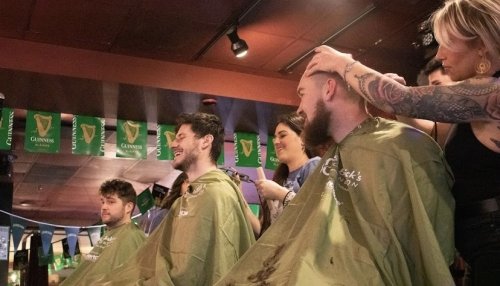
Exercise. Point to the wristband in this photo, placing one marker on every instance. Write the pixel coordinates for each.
(347, 69)
(287, 199)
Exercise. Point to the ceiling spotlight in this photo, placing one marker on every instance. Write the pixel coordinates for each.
(238, 46)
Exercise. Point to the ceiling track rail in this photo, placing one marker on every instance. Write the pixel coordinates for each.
(288, 68)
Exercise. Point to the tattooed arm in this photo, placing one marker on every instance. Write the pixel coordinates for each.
(470, 100)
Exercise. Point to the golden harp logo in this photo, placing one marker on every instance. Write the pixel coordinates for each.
(131, 130)
(170, 137)
(43, 124)
(88, 132)
(247, 146)
(1, 122)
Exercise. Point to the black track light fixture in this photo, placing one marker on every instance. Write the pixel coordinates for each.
(238, 46)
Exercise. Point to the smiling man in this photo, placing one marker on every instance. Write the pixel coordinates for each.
(122, 237)
(206, 230)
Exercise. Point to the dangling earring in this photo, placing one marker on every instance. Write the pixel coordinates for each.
(483, 66)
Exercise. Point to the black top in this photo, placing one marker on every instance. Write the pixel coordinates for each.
(476, 168)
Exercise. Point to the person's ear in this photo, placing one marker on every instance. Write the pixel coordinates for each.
(329, 89)
(207, 141)
(129, 207)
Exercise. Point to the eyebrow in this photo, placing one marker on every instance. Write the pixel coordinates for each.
(282, 132)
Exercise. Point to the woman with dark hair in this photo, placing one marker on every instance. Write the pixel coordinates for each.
(295, 165)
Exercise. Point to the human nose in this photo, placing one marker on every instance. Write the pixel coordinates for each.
(440, 55)
(300, 110)
(174, 143)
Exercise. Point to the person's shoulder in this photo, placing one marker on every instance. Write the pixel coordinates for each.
(313, 162)
(400, 131)
(400, 136)
(136, 230)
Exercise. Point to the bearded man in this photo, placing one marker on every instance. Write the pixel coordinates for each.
(377, 211)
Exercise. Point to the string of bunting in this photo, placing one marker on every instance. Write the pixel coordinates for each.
(43, 135)
(47, 231)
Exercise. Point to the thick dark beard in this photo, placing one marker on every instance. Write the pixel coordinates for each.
(316, 130)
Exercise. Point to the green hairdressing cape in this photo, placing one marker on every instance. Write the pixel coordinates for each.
(376, 211)
(200, 239)
(114, 248)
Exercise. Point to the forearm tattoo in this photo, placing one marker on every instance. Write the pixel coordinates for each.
(462, 102)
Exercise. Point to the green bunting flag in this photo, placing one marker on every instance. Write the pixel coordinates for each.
(247, 149)
(145, 201)
(131, 139)
(43, 132)
(272, 161)
(6, 123)
(88, 135)
(165, 134)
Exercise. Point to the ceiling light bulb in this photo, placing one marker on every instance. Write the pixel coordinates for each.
(238, 46)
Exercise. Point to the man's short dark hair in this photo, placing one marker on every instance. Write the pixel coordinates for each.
(432, 66)
(124, 190)
(204, 124)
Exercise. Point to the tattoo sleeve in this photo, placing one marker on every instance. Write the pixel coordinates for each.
(469, 100)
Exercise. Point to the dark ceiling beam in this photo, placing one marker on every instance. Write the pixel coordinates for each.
(59, 60)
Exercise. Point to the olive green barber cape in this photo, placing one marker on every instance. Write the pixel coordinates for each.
(200, 239)
(376, 211)
(114, 248)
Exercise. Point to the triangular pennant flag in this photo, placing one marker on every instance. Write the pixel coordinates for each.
(65, 247)
(72, 238)
(46, 232)
(145, 201)
(94, 234)
(18, 226)
(247, 149)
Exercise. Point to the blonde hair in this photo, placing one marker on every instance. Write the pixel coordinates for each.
(468, 20)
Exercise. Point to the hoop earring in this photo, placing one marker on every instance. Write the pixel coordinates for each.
(483, 66)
